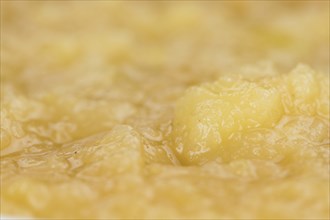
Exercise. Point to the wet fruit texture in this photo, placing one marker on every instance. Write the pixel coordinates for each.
(217, 119)
(164, 109)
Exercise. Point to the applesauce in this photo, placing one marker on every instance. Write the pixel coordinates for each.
(165, 110)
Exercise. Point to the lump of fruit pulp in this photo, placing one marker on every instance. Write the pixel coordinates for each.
(215, 119)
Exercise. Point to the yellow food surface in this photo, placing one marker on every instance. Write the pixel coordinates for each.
(217, 119)
(165, 110)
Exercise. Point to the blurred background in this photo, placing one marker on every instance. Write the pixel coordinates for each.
(197, 38)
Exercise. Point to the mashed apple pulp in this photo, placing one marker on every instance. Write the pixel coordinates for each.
(232, 117)
(157, 115)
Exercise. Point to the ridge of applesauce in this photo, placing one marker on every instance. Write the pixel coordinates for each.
(237, 118)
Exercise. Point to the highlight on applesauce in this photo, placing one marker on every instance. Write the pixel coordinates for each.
(165, 110)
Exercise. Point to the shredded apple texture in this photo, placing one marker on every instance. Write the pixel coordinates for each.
(165, 110)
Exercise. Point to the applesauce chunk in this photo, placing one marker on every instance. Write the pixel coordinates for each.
(237, 118)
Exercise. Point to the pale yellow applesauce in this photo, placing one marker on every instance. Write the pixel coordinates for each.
(165, 110)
